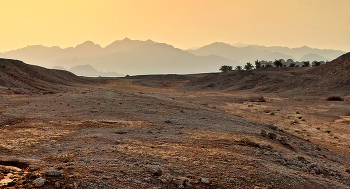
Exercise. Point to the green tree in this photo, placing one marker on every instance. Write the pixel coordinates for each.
(257, 64)
(292, 65)
(316, 63)
(306, 63)
(225, 68)
(248, 66)
(238, 68)
(278, 63)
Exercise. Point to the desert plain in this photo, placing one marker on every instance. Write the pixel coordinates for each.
(264, 128)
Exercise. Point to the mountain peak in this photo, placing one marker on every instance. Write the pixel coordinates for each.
(87, 44)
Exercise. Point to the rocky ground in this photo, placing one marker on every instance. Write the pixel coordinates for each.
(156, 132)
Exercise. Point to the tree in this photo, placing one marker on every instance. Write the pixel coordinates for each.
(316, 63)
(257, 64)
(248, 66)
(278, 63)
(292, 65)
(238, 68)
(306, 63)
(225, 68)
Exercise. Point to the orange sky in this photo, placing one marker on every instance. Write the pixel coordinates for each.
(182, 23)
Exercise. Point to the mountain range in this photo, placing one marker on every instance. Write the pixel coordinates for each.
(135, 57)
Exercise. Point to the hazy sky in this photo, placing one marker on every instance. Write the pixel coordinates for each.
(182, 23)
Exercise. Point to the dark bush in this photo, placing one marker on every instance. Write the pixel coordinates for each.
(335, 98)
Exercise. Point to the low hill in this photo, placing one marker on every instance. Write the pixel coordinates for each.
(20, 77)
(312, 56)
(331, 78)
(87, 70)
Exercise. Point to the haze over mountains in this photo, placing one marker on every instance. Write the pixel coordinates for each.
(135, 57)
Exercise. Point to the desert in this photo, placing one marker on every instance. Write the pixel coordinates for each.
(262, 128)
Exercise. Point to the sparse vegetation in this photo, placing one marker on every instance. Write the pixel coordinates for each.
(267, 111)
(318, 128)
(300, 117)
(306, 63)
(272, 113)
(297, 131)
(278, 110)
(257, 64)
(303, 120)
(278, 63)
(248, 66)
(316, 63)
(225, 68)
(268, 66)
(297, 112)
(238, 68)
(327, 131)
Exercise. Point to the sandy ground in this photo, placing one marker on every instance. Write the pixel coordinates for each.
(134, 133)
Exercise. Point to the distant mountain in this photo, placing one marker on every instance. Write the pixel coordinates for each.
(87, 70)
(312, 56)
(250, 53)
(298, 53)
(148, 57)
(154, 58)
(122, 56)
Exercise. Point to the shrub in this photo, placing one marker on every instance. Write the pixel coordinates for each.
(306, 64)
(297, 112)
(272, 113)
(300, 117)
(316, 63)
(257, 64)
(267, 111)
(318, 128)
(335, 98)
(297, 131)
(268, 66)
(278, 63)
(248, 66)
(327, 131)
(225, 68)
(238, 68)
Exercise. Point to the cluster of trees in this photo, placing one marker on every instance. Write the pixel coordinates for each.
(258, 65)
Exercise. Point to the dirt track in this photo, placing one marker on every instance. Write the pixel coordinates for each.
(137, 133)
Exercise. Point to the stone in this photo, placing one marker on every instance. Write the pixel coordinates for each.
(205, 180)
(57, 184)
(39, 182)
(54, 173)
(155, 170)
(180, 186)
(283, 140)
(272, 136)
